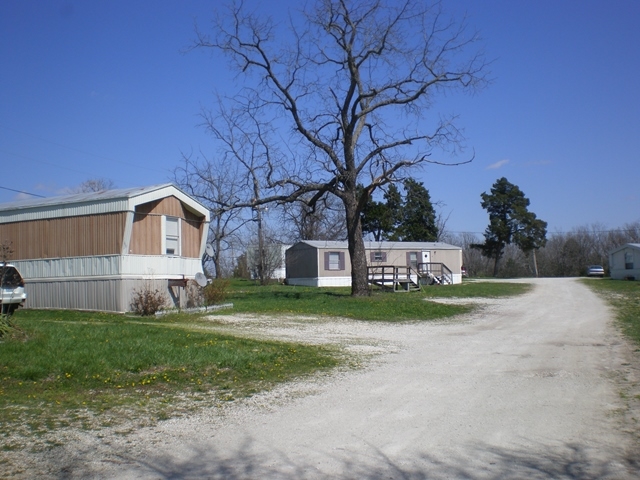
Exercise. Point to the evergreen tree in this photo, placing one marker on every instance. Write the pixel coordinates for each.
(509, 222)
(418, 223)
(381, 219)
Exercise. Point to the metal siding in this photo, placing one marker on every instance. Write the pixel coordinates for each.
(74, 294)
(95, 203)
(61, 210)
(160, 265)
(66, 237)
(190, 238)
(146, 238)
(108, 265)
(301, 261)
(325, 272)
(146, 235)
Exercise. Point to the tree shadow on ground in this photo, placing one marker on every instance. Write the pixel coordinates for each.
(569, 461)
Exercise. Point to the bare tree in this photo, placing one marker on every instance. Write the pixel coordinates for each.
(95, 185)
(350, 88)
(216, 185)
(324, 221)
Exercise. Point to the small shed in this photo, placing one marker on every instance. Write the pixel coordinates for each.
(93, 250)
(624, 262)
(327, 263)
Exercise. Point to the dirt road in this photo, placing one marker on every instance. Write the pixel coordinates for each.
(525, 388)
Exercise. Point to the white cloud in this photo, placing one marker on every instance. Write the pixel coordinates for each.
(498, 164)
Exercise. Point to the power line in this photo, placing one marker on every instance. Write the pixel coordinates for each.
(20, 191)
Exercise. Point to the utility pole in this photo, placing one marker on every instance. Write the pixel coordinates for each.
(261, 268)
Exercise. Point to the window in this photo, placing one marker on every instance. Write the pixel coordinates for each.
(172, 236)
(628, 261)
(378, 256)
(334, 260)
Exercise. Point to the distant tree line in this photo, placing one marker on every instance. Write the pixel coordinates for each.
(565, 254)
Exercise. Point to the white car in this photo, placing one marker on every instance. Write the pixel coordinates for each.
(595, 271)
(12, 294)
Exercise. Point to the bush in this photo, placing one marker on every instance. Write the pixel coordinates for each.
(147, 301)
(216, 291)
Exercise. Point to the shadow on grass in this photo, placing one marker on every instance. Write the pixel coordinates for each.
(569, 461)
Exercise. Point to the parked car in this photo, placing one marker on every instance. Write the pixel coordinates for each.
(595, 271)
(12, 294)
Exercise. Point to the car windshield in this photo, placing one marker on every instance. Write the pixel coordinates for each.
(10, 278)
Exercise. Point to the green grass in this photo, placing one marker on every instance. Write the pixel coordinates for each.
(64, 365)
(248, 297)
(624, 296)
(478, 289)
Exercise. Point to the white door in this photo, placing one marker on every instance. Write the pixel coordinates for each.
(426, 259)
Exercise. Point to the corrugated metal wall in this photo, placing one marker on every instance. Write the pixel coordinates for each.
(65, 237)
(109, 295)
(109, 265)
(103, 294)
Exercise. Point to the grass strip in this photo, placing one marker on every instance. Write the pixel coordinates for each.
(624, 296)
(248, 297)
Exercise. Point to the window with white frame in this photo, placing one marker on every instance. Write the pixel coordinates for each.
(334, 261)
(378, 256)
(172, 236)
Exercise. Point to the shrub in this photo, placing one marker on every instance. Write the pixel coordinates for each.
(147, 301)
(216, 291)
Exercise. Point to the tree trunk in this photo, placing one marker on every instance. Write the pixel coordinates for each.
(357, 254)
(216, 258)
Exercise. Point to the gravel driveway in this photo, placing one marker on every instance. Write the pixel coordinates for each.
(526, 387)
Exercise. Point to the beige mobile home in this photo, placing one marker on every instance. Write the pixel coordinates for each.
(624, 262)
(327, 263)
(92, 250)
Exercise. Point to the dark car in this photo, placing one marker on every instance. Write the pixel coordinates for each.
(595, 271)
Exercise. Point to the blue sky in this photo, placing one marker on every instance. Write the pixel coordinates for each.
(104, 89)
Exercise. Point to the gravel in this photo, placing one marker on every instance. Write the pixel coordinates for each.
(535, 386)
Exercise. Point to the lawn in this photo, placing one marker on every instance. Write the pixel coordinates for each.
(58, 362)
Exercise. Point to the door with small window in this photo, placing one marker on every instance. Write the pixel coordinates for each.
(412, 260)
(426, 259)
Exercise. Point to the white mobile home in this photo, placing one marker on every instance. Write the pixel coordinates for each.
(92, 250)
(624, 262)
